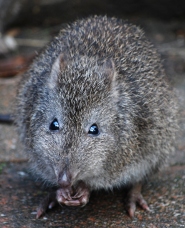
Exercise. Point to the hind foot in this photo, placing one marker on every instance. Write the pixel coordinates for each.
(134, 197)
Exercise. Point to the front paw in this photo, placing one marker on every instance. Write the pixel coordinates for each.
(79, 197)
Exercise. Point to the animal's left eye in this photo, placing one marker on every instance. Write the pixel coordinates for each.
(93, 130)
(54, 126)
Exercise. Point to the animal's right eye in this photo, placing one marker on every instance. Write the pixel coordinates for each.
(54, 126)
(93, 130)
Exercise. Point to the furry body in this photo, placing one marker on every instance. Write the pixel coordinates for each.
(98, 70)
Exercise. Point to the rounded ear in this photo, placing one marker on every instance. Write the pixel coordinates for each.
(109, 69)
(59, 65)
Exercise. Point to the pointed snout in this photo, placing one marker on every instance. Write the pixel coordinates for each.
(65, 179)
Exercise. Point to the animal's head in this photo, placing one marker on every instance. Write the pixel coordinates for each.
(74, 127)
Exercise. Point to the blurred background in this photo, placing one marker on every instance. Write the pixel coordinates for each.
(27, 26)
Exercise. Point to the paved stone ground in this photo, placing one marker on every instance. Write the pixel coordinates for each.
(165, 192)
(20, 196)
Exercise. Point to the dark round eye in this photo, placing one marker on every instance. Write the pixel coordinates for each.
(93, 130)
(54, 126)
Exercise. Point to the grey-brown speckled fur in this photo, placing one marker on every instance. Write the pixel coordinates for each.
(98, 70)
